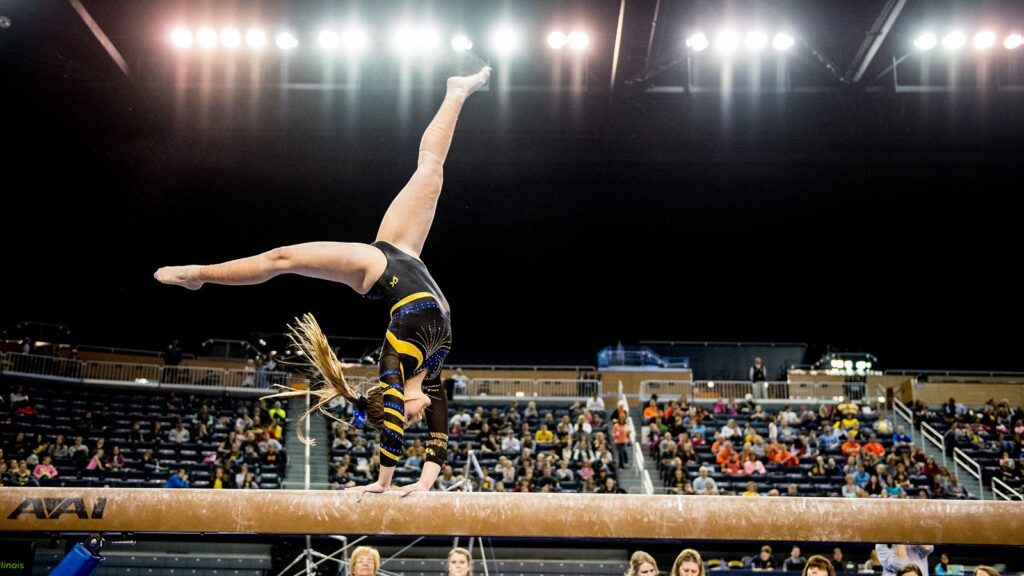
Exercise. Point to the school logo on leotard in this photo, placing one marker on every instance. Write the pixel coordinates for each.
(394, 281)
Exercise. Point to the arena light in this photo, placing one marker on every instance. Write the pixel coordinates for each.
(698, 42)
(782, 42)
(926, 41)
(286, 41)
(461, 43)
(578, 41)
(1013, 41)
(954, 41)
(727, 41)
(505, 40)
(181, 37)
(755, 41)
(255, 38)
(230, 38)
(206, 37)
(403, 40)
(984, 40)
(427, 39)
(328, 40)
(354, 39)
(557, 40)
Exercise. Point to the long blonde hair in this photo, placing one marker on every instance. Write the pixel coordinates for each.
(688, 555)
(326, 377)
(638, 559)
(457, 551)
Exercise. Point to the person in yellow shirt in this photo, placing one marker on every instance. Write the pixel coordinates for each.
(543, 434)
(277, 413)
(751, 489)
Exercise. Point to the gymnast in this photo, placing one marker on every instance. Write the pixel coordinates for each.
(418, 337)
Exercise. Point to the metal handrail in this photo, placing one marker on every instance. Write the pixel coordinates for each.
(1003, 490)
(933, 436)
(960, 458)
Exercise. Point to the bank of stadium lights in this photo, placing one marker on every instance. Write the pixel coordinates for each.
(505, 40)
(730, 41)
(328, 40)
(461, 43)
(408, 40)
(255, 38)
(354, 39)
(230, 38)
(576, 40)
(286, 41)
(181, 37)
(955, 41)
(206, 38)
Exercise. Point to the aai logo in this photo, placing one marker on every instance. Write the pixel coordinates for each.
(54, 508)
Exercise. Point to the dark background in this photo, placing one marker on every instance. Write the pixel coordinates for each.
(852, 218)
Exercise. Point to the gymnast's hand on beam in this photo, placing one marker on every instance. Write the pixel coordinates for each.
(414, 487)
(373, 488)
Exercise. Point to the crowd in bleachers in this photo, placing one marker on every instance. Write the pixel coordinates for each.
(845, 450)
(884, 559)
(531, 448)
(59, 436)
(992, 435)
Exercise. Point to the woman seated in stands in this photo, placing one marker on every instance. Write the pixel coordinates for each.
(115, 460)
(753, 466)
(98, 461)
(874, 487)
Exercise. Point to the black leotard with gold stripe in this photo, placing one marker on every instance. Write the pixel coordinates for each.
(418, 339)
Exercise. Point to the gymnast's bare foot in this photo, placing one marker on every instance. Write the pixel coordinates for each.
(463, 86)
(187, 276)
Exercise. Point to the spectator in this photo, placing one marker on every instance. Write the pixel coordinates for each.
(874, 488)
(544, 435)
(220, 480)
(460, 563)
(874, 447)
(704, 484)
(795, 562)
(249, 482)
(753, 466)
(757, 371)
(850, 489)
(365, 561)
(651, 411)
(838, 565)
(115, 460)
(688, 563)
(829, 438)
(982, 570)
(893, 557)
(173, 353)
(45, 469)
(595, 403)
(821, 566)
(944, 568)
(764, 560)
(892, 489)
(851, 447)
(752, 491)
(620, 434)
(179, 480)
(97, 461)
(642, 564)
(21, 476)
(610, 487)
(179, 434)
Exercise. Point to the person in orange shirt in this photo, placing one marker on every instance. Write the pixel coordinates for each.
(620, 435)
(875, 447)
(851, 447)
(726, 454)
(651, 411)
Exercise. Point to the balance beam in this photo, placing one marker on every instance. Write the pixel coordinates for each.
(611, 516)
